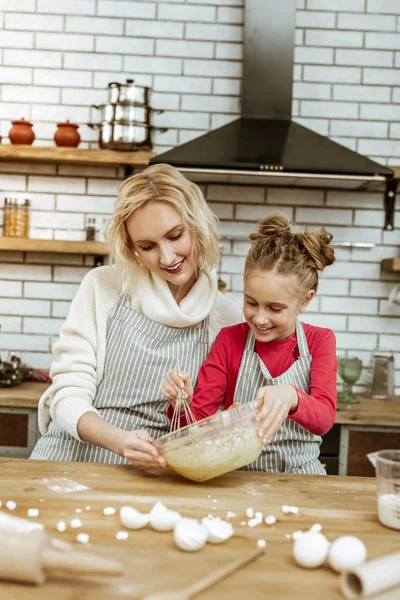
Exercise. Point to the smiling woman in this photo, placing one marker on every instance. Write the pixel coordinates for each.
(156, 305)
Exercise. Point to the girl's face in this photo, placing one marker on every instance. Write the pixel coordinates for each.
(271, 304)
(163, 243)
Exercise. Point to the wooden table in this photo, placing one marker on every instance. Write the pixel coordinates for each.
(343, 505)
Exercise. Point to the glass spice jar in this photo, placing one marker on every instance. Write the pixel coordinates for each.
(16, 218)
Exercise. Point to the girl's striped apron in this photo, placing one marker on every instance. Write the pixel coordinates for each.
(293, 449)
(139, 354)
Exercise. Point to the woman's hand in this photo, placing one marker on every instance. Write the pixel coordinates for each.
(275, 402)
(175, 382)
(138, 447)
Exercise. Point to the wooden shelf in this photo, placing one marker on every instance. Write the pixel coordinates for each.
(391, 264)
(60, 246)
(77, 156)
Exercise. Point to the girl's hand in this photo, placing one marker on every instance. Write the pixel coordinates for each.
(138, 447)
(275, 402)
(175, 382)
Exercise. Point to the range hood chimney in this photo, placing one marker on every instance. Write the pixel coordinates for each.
(264, 146)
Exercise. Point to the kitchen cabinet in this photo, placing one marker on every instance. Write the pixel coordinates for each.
(373, 424)
(19, 429)
(342, 505)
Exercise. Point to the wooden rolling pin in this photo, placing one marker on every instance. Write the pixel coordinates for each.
(32, 558)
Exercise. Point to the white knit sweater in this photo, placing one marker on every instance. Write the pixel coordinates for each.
(80, 350)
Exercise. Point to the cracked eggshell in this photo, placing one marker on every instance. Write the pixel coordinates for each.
(346, 553)
(132, 518)
(190, 535)
(310, 549)
(163, 519)
(218, 530)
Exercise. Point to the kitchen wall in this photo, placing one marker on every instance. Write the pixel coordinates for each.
(56, 59)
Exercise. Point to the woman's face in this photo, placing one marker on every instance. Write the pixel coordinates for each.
(271, 304)
(163, 243)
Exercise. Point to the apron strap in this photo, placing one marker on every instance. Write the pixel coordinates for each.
(301, 340)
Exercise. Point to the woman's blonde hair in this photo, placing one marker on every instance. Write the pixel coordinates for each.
(161, 183)
(277, 248)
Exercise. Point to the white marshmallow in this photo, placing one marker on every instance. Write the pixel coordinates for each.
(317, 527)
(109, 510)
(61, 526)
(82, 538)
(259, 516)
(294, 510)
(261, 544)
(121, 535)
(253, 522)
(285, 509)
(270, 520)
(78, 510)
(75, 523)
(249, 513)
(33, 512)
(11, 505)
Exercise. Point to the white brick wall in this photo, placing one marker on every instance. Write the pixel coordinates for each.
(56, 59)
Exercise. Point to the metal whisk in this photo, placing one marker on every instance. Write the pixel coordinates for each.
(181, 401)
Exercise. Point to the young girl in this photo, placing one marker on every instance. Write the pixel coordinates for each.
(290, 367)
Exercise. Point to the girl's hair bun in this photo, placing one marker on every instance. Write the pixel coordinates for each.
(272, 227)
(317, 246)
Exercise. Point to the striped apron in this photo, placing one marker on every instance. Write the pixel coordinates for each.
(293, 449)
(139, 354)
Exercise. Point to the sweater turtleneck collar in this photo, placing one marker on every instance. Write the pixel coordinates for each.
(154, 299)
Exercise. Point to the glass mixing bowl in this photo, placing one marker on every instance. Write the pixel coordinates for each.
(213, 446)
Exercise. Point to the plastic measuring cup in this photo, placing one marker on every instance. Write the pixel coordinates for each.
(387, 468)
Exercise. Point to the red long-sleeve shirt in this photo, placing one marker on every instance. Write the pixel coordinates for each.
(218, 375)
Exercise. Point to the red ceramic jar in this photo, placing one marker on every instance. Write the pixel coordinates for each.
(21, 132)
(67, 134)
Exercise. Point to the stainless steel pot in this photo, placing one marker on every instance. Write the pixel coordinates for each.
(124, 135)
(128, 92)
(125, 112)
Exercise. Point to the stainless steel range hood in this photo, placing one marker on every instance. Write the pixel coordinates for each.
(265, 146)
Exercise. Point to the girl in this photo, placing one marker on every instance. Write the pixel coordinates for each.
(128, 322)
(289, 367)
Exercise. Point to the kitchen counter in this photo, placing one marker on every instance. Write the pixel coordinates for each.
(343, 505)
(370, 411)
(26, 395)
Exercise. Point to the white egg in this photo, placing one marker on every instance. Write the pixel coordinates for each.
(310, 549)
(218, 530)
(190, 535)
(132, 518)
(163, 519)
(346, 552)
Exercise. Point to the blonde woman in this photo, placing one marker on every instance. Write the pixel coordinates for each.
(156, 307)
